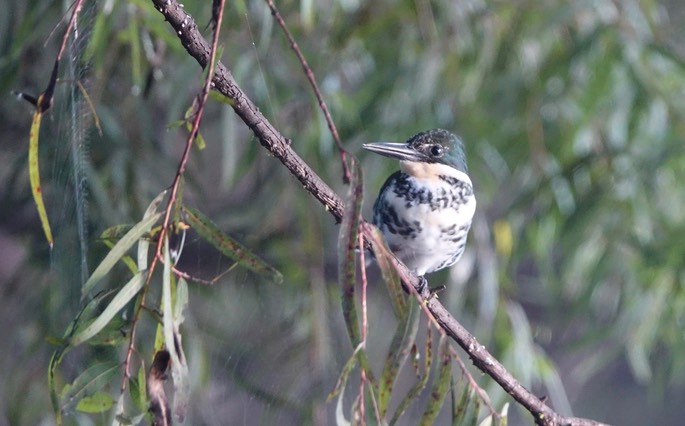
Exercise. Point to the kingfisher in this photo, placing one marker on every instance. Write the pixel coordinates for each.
(425, 209)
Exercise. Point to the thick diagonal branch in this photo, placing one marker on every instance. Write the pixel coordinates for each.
(184, 25)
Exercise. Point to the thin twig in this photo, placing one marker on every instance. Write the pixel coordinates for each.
(78, 4)
(190, 23)
(312, 81)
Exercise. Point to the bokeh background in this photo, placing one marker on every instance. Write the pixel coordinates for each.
(572, 114)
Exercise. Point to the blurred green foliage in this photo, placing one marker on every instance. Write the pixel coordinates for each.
(572, 113)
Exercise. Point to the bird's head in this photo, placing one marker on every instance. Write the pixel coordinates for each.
(436, 146)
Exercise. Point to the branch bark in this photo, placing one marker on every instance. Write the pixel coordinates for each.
(185, 27)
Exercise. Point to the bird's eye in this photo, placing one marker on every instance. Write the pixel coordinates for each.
(437, 150)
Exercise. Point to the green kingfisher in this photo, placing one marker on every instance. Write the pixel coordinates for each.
(425, 210)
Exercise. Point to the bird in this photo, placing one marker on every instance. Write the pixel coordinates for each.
(425, 209)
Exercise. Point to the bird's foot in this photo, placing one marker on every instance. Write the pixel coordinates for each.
(437, 289)
(433, 292)
(423, 283)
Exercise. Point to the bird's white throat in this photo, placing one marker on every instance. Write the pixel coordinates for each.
(432, 171)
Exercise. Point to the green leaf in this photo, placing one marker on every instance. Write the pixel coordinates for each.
(467, 408)
(441, 384)
(114, 233)
(138, 386)
(400, 348)
(496, 419)
(415, 391)
(188, 120)
(200, 141)
(503, 415)
(56, 358)
(96, 403)
(34, 173)
(55, 361)
(111, 334)
(228, 246)
(119, 250)
(347, 245)
(89, 382)
(173, 342)
(347, 256)
(181, 301)
(382, 253)
(135, 51)
(119, 301)
(344, 374)
(221, 98)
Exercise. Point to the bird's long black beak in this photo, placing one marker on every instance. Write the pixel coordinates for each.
(399, 151)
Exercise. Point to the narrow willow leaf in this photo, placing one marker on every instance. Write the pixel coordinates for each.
(460, 406)
(475, 408)
(228, 246)
(112, 234)
(111, 334)
(221, 98)
(176, 123)
(181, 301)
(340, 419)
(200, 141)
(189, 118)
(91, 106)
(503, 415)
(98, 402)
(372, 390)
(486, 421)
(135, 53)
(415, 391)
(159, 338)
(441, 384)
(468, 407)
(142, 384)
(400, 348)
(96, 39)
(119, 301)
(382, 254)
(173, 343)
(123, 420)
(92, 380)
(125, 242)
(347, 244)
(119, 412)
(55, 360)
(34, 173)
(119, 250)
(144, 243)
(138, 386)
(344, 374)
(41, 104)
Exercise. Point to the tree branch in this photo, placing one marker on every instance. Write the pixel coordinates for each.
(271, 139)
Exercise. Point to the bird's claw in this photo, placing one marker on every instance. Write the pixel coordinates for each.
(423, 283)
(433, 292)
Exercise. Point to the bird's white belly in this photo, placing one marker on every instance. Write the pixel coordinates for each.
(438, 237)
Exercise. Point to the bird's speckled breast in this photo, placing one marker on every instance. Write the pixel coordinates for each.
(425, 216)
